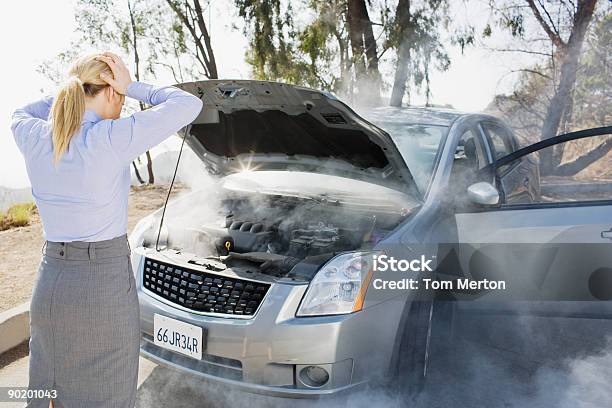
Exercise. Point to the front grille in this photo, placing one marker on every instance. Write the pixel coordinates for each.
(201, 291)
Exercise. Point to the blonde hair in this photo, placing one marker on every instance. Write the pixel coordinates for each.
(69, 105)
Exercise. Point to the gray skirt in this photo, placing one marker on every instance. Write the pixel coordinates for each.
(84, 323)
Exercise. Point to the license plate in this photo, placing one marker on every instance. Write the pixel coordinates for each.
(178, 336)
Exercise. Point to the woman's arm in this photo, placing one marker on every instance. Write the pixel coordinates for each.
(27, 122)
(172, 110)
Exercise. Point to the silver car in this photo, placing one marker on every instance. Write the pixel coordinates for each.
(265, 279)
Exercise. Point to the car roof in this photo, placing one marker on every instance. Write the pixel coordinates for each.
(411, 115)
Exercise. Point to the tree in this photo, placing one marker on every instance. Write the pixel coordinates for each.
(547, 93)
(592, 100)
(525, 109)
(568, 53)
(335, 51)
(563, 24)
(403, 31)
(325, 44)
(414, 34)
(272, 54)
(340, 49)
(191, 16)
(363, 45)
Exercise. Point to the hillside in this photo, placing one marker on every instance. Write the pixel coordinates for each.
(10, 196)
(20, 248)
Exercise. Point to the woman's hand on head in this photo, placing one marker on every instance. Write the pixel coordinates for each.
(121, 78)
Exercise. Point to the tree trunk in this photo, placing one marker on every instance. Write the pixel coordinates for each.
(402, 16)
(401, 75)
(343, 80)
(150, 168)
(138, 176)
(365, 54)
(569, 55)
(369, 42)
(574, 167)
(355, 32)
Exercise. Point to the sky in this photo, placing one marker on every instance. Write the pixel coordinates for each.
(33, 31)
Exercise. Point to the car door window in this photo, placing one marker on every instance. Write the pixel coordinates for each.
(500, 140)
(469, 159)
(569, 172)
(469, 152)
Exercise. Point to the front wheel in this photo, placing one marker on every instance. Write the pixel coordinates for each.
(414, 350)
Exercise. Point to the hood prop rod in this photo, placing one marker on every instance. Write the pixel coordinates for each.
(178, 160)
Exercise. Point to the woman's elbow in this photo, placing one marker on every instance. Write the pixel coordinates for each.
(195, 107)
(16, 120)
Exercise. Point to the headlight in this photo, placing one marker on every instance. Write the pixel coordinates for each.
(340, 286)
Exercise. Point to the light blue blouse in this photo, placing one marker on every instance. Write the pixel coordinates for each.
(84, 197)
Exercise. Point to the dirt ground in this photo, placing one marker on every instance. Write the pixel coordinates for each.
(21, 248)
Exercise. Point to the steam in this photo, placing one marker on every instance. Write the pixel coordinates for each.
(582, 383)
(525, 361)
(168, 388)
(198, 201)
(472, 374)
(489, 361)
(203, 205)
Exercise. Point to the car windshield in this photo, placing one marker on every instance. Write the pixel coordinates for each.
(418, 144)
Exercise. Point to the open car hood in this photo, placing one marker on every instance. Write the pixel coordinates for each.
(260, 125)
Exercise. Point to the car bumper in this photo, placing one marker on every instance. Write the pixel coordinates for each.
(275, 391)
(265, 354)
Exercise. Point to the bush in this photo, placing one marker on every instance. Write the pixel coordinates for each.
(18, 215)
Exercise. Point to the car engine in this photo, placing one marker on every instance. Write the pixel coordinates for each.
(274, 234)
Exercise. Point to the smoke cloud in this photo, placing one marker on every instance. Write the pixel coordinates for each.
(488, 360)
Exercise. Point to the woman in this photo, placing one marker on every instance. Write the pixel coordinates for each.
(84, 316)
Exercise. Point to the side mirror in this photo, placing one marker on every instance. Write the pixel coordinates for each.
(483, 193)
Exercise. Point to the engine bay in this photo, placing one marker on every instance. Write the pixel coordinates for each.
(274, 235)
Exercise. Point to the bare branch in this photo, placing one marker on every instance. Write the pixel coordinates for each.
(529, 109)
(550, 19)
(382, 52)
(210, 57)
(533, 71)
(580, 163)
(554, 37)
(185, 19)
(171, 68)
(519, 50)
(198, 57)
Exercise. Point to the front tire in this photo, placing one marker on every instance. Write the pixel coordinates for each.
(414, 350)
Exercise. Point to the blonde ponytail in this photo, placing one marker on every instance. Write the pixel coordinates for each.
(69, 104)
(66, 113)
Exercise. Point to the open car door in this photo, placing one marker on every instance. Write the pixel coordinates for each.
(544, 228)
(547, 235)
